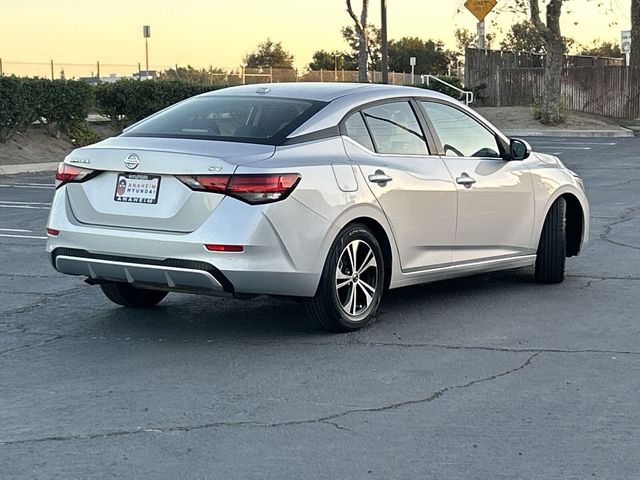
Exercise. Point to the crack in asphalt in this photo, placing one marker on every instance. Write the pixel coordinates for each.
(26, 275)
(29, 345)
(615, 184)
(601, 277)
(351, 342)
(327, 419)
(43, 299)
(626, 216)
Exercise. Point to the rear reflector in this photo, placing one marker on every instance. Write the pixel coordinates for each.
(53, 232)
(69, 173)
(223, 248)
(250, 188)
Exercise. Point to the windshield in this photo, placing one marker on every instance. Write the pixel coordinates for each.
(229, 118)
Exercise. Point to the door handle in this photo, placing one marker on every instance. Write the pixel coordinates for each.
(465, 180)
(380, 178)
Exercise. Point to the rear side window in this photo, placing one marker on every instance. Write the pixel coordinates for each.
(229, 118)
(395, 129)
(357, 131)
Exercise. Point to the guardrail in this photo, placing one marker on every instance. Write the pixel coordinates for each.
(468, 95)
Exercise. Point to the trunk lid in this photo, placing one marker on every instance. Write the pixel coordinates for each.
(102, 201)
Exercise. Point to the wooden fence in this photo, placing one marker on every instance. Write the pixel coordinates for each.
(608, 91)
(601, 86)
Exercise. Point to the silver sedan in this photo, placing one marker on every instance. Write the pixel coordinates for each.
(332, 193)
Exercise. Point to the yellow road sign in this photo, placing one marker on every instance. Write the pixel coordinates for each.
(480, 8)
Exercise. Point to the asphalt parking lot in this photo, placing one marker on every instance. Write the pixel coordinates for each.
(487, 377)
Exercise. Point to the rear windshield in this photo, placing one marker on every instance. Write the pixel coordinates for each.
(229, 118)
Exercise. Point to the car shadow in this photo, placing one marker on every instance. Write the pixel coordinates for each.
(269, 320)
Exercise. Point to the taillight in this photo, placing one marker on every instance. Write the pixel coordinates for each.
(209, 183)
(53, 232)
(250, 188)
(69, 173)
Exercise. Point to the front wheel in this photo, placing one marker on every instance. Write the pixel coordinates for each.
(552, 249)
(352, 282)
(130, 296)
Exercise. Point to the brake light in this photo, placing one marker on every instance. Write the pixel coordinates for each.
(53, 232)
(209, 183)
(250, 188)
(69, 173)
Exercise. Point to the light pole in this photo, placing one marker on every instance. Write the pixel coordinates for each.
(146, 32)
(385, 48)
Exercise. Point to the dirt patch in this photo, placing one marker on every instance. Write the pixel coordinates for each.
(521, 118)
(37, 146)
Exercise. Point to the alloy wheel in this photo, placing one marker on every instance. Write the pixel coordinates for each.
(356, 277)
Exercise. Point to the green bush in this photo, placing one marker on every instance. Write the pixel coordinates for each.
(128, 101)
(65, 104)
(61, 103)
(81, 134)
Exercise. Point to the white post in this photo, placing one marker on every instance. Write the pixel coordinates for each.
(412, 62)
(481, 36)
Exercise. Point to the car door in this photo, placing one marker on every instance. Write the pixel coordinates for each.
(495, 196)
(413, 187)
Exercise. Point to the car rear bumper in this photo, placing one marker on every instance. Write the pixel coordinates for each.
(196, 277)
(275, 260)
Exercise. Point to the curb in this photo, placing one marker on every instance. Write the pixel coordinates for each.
(619, 133)
(28, 168)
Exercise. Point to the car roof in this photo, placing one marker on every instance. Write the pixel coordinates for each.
(324, 92)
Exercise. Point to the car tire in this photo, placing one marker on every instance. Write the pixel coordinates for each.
(552, 249)
(129, 296)
(347, 298)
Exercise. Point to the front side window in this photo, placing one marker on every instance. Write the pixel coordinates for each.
(229, 118)
(461, 135)
(395, 129)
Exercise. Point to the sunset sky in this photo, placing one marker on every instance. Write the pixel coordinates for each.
(220, 33)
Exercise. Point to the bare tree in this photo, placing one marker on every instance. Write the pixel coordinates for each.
(363, 44)
(550, 111)
(634, 60)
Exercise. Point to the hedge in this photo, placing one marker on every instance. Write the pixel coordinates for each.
(128, 101)
(59, 104)
(63, 105)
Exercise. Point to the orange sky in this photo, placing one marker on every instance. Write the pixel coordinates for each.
(221, 32)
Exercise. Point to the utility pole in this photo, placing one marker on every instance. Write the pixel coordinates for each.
(146, 31)
(385, 46)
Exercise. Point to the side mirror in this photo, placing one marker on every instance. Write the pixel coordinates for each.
(519, 149)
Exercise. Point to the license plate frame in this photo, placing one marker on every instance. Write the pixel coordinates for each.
(137, 188)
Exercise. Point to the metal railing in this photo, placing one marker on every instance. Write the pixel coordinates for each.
(466, 94)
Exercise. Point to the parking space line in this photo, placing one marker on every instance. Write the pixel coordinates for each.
(564, 147)
(42, 187)
(7, 235)
(29, 207)
(17, 230)
(9, 202)
(558, 143)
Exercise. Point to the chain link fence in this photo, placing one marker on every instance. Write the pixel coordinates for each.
(111, 72)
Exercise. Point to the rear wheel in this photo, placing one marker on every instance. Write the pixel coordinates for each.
(552, 249)
(129, 296)
(351, 284)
